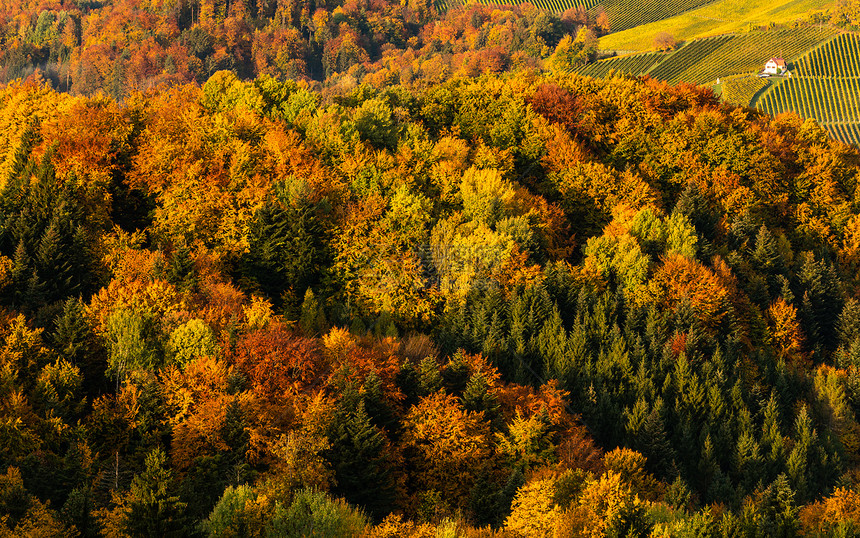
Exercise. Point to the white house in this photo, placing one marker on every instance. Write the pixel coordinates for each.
(775, 66)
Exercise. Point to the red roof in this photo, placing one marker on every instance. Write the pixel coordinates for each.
(778, 61)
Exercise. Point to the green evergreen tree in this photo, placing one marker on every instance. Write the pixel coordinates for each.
(181, 271)
(285, 255)
(476, 397)
(74, 340)
(429, 377)
(361, 463)
(153, 510)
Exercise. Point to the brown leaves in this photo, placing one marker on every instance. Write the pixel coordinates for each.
(683, 278)
(277, 361)
(557, 105)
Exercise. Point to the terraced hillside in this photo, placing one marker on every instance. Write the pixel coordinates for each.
(700, 63)
(624, 14)
(636, 64)
(848, 133)
(827, 99)
(715, 18)
(825, 86)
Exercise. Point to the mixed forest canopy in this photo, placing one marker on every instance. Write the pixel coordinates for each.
(525, 302)
(122, 46)
(273, 268)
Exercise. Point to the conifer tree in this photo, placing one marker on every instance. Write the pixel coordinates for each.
(152, 508)
(360, 462)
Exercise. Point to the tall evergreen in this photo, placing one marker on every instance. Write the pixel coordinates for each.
(153, 509)
(286, 253)
(360, 461)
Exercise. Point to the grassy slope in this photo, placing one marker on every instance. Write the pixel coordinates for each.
(720, 17)
(625, 14)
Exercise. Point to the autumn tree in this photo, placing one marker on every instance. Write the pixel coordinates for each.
(664, 42)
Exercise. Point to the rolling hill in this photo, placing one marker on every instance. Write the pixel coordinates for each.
(715, 18)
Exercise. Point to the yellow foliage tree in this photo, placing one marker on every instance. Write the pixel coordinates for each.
(446, 441)
(533, 511)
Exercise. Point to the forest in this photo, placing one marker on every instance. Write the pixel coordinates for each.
(287, 269)
(527, 304)
(127, 46)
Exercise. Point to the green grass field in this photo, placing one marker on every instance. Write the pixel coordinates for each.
(636, 64)
(720, 17)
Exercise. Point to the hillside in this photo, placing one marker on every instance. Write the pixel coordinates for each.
(704, 61)
(384, 269)
(715, 18)
(825, 85)
(498, 306)
(624, 14)
(634, 64)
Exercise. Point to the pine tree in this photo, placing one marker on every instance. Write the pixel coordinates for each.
(181, 271)
(235, 434)
(799, 460)
(766, 255)
(286, 252)
(748, 462)
(380, 412)
(152, 508)
(772, 443)
(74, 340)
(429, 377)
(552, 344)
(476, 397)
(654, 443)
(455, 375)
(361, 464)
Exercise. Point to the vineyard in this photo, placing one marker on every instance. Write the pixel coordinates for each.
(738, 54)
(844, 132)
(825, 86)
(741, 89)
(688, 55)
(827, 99)
(637, 64)
(838, 57)
(715, 18)
(624, 14)
(555, 6)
